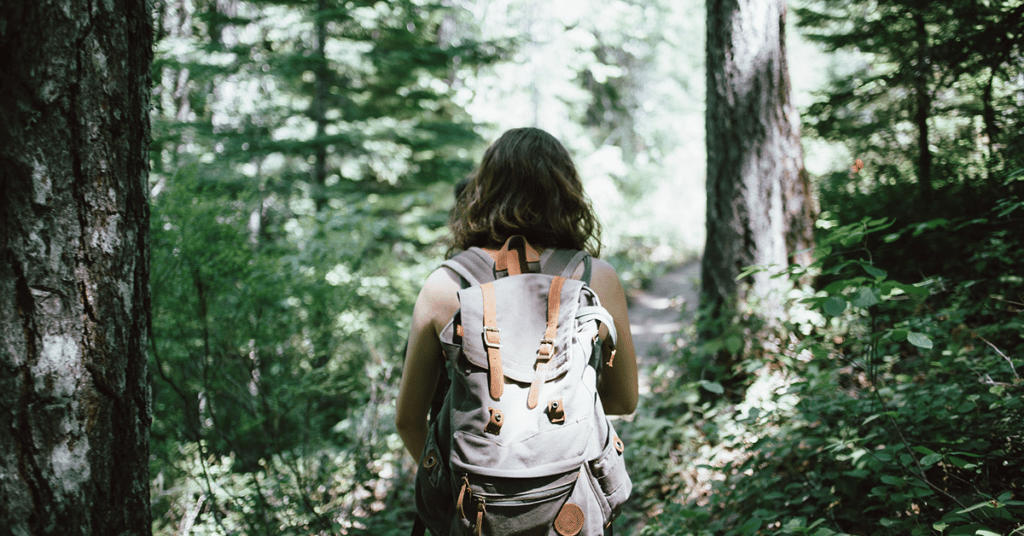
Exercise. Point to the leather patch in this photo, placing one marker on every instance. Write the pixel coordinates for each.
(431, 459)
(569, 521)
(494, 424)
(556, 411)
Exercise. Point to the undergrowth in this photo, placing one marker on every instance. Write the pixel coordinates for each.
(883, 405)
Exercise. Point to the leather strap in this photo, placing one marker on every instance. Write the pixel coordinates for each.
(534, 394)
(492, 341)
(481, 508)
(547, 344)
(475, 265)
(460, 506)
(515, 256)
(554, 302)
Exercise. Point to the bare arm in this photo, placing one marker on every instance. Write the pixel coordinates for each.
(618, 385)
(436, 303)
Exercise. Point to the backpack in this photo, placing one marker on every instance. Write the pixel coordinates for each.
(521, 444)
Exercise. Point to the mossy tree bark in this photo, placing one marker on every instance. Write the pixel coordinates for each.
(74, 267)
(760, 209)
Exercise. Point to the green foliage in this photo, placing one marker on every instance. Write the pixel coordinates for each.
(274, 361)
(882, 407)
(951, 69)
(303, 158)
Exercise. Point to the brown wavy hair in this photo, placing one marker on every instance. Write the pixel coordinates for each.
(527, 185)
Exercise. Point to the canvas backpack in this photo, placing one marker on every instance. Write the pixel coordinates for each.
(521, 444)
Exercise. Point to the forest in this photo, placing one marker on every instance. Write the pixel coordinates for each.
(864, 378)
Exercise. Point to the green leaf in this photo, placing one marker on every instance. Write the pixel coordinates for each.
(960, 462)
(899, 335)
(877, 415)
(892, 481)
(751, 526)
(919, 339)
(864, 298)
(876, 272)
(834, 306)
(749, 271)
(966, 530)
(931, 459)
(733, 343)
(966, 407)
(713, 387)
(913, 290)
(983, 504)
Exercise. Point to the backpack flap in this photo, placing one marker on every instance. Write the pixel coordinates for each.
(517, 302)
(518, 356)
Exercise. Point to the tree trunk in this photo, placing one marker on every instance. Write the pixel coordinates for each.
(760, 208)
(923, 110)
(318, 106)
(74, 273)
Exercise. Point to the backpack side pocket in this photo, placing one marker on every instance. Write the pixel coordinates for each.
(608, 476)
(435, 502)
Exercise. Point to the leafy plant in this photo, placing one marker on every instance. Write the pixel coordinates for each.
(882, 407)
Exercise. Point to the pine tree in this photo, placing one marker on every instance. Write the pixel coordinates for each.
(925, 66)
(304, 151)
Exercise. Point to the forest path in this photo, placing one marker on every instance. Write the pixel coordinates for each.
(659, 311)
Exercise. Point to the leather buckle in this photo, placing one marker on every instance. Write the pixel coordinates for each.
(496, 342)
(556, 411)
(547, 348)
(494, 423)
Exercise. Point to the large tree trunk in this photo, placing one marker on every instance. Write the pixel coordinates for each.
(760, 208)
(74, 272)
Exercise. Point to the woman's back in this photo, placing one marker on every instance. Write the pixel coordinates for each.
(528, 186)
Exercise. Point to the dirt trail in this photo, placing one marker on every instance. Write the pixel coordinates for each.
(656, 313)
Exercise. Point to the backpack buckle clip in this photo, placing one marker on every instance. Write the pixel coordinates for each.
(490, 342)
(547, 348)
(556, 411)
(494, 423)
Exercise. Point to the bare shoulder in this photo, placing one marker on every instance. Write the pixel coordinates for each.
(438, 299)
(603, 269)
(604, 279)
(441, 280)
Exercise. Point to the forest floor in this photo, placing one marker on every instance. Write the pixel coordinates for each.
(658, 313)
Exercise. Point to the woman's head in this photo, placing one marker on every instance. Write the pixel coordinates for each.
(526, 185)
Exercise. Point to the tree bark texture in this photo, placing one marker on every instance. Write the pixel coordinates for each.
(760, 209)
(74, 267)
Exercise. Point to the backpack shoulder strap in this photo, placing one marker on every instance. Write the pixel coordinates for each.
(563, 262)
(474, 265)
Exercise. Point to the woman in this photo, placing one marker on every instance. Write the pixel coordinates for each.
(526, 185)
